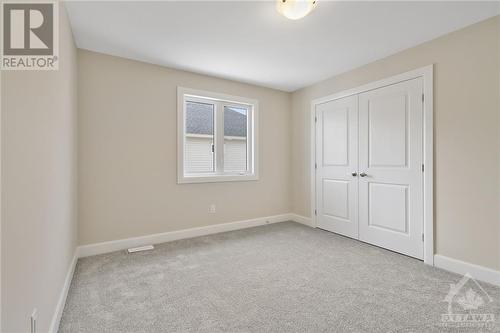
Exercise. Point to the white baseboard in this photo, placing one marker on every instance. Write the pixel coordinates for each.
(461, 267)
(56, 318)
(301, 219)
(122, 244)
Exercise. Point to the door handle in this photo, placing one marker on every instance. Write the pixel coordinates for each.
(363, 174)
(354, 174)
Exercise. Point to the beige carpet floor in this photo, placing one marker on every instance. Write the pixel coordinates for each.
(282, 277)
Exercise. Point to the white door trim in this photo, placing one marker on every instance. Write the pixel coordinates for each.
(427, 74)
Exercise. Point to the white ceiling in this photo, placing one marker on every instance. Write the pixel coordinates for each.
(251, 42)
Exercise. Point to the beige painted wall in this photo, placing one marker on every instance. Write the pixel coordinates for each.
(127, 153)
(466, 133)
(38, 187)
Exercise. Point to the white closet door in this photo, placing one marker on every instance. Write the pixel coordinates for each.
(336, 161)
(390, 167)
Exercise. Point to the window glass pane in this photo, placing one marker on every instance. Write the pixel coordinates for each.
(199, 141)
(235, 139)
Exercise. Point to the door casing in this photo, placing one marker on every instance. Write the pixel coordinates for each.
(427, 75)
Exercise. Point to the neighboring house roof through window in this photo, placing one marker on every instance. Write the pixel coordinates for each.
(200, 120)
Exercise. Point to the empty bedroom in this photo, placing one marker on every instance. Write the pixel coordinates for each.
(249, 166)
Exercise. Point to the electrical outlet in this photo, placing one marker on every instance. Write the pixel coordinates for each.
(211, 209)
(33, 320)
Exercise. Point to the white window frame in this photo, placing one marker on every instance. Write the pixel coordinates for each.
(220, 100)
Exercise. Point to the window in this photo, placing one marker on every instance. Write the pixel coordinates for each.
(216, 137)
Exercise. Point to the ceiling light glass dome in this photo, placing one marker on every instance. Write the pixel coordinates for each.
(295, 9)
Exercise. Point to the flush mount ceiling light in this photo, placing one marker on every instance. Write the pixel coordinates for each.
(295, 9)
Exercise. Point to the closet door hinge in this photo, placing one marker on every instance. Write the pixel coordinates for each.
(315, 119)
(423, 98)
(422, 237)
(315, 212)
(315, 165)
(422, 168)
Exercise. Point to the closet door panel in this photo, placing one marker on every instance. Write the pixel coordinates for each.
(390, 167)
(336, 161)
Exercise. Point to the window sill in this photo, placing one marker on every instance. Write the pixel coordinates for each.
(193, 179)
